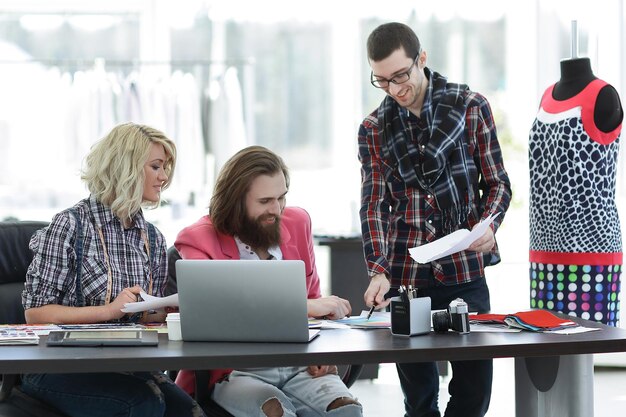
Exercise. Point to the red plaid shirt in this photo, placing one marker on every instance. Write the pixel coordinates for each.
(396, 217)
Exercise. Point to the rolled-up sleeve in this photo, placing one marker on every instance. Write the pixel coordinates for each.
(489, 159)
(53, 265)
(374, 212)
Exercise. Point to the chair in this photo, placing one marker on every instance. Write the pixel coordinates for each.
(15, 256)
(202, 391)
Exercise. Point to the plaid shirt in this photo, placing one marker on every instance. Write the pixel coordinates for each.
(51, 275)
(396, 217)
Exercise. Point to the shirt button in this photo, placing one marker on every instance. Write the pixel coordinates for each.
(430, 221)
(429, 196)
(423, 147)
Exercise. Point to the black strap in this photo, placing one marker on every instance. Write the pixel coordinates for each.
(152, 242)
(78, 248)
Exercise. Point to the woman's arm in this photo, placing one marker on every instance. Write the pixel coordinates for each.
(58, 314)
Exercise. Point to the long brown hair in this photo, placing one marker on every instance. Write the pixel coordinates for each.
(228, 206)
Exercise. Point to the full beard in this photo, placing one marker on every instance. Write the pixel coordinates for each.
(260, 236)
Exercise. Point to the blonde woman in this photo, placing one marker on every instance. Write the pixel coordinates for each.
(98, 255)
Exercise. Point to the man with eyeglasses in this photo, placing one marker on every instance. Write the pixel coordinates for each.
(430, 164)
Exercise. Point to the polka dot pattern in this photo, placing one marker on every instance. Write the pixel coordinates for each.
(597, 299)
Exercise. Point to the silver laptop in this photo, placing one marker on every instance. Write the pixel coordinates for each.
(243, 301)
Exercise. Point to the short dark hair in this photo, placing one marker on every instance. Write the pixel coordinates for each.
(389, 37)
(228, 203)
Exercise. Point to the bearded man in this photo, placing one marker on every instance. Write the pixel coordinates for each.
(248, 219)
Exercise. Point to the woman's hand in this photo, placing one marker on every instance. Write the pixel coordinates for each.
(127, 295)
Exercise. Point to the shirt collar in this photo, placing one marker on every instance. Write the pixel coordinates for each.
(103, 215)
(428, 97)
(246, 252)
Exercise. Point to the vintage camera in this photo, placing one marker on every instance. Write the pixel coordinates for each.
(456, 317)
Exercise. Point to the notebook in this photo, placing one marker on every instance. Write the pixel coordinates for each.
(243, 301)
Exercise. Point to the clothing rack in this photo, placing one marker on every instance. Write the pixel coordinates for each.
(101, 62)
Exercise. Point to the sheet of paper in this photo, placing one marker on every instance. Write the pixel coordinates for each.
(331, 324)
(573, 330)
(454, 242)
(495, 328)
(151, 302)
(379, 320)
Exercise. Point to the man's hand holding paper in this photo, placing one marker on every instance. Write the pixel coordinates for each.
(480, 239)
(484, 243)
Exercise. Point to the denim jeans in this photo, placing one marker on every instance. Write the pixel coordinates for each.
(137, 394)
(470, 386)
(244, 392)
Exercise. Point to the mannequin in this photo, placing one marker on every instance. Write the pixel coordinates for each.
(576, 74)
(575, 239)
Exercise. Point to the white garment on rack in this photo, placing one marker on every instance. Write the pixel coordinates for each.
(131, 107)
(92, 110)
(227, 125)
(187, 134)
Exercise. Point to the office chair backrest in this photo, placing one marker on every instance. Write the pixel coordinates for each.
(172, 284)
(15, 256)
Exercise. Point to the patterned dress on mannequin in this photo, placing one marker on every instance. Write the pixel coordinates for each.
(575, 236)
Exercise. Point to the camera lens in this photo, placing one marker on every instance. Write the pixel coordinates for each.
(441, 321)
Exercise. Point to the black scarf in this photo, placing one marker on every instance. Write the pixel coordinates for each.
(446, 169)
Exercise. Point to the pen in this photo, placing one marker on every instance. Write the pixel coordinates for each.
(403, 294)
(371, 310)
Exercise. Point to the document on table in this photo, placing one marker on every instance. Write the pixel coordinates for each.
(454, 242)
(151, 302)
(378, 320)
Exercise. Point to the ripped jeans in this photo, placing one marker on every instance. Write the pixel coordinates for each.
(135, 394)
(244, 392)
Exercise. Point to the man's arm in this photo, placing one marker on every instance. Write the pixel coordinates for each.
(488, 158)
(374, 212)
(374, 215)
(331, 307)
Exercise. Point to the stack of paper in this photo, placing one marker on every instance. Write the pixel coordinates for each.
(18, 336)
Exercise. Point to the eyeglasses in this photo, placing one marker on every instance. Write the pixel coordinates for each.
(398, 79)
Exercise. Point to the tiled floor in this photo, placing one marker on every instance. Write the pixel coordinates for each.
(382, 397)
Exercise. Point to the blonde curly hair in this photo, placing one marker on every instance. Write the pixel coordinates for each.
(114, 171)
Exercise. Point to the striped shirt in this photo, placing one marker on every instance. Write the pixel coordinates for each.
(396, 217)
(51, 275)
